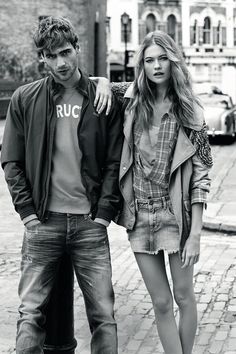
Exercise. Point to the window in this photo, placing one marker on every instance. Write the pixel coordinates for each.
(224, 39)
(218, 33)
(193, 33)
(171, 26)
(207, 31)
(150, 23)
(234, 36)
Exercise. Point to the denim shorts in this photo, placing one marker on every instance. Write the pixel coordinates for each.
(155, 227)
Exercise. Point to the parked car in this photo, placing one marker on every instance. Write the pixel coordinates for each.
(220, 114)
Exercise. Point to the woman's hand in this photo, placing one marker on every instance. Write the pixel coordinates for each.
(191, 250)
(103, 98)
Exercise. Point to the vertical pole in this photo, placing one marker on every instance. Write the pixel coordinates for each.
(96, 39)
(60, 312)
(126, 53)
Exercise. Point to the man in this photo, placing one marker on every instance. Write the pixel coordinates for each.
(61, 162)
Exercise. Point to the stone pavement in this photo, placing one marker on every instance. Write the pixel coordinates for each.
(214, 279)
(221, 210)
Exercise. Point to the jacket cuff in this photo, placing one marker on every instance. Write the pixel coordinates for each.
(25, 211)
(102, 221)
(30, 218)
(105, 213)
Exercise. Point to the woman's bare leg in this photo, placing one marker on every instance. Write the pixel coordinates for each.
(185, 299)
(153, 270)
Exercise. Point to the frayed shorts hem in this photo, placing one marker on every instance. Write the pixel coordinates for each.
(157, 251)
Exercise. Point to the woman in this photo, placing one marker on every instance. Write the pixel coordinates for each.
(164, 181)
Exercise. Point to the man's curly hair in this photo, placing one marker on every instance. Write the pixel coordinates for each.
(52, 32)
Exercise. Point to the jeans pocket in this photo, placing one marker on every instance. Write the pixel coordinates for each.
(32, 231)
(94, 223)
(33, 227)
(97, 224)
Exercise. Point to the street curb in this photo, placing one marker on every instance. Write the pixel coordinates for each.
(219, 227)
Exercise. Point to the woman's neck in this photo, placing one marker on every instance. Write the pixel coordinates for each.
(161, 94)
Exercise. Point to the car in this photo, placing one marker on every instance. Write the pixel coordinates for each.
(220, 114)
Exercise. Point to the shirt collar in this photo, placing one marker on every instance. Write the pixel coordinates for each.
(81, 86)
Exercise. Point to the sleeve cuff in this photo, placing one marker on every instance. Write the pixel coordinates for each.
(102, 221)
(198, 196)
(29, 218)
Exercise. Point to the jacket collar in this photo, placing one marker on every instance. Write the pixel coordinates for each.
(184, 149)
(199, 117)
(81, 87)
(130, 91)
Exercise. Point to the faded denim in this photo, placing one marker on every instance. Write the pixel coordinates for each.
(155, 228)
(87, 243)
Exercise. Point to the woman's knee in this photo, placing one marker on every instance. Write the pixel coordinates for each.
(184, 296)
(162, 305)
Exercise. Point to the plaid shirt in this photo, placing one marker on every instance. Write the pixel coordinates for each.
(151, 177)
(151, 172)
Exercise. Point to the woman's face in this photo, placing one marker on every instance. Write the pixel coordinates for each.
(156, 64)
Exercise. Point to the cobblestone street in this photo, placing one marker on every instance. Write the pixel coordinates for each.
(214, 279)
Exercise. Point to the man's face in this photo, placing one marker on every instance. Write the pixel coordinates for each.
(62, 62)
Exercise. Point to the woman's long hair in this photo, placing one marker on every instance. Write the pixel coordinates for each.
(179, 89)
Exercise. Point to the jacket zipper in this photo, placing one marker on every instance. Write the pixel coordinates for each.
(52, 124)
(84, 107)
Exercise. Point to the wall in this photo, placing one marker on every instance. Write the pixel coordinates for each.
(19, 18)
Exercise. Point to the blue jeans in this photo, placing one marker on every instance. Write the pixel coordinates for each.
(43, 246)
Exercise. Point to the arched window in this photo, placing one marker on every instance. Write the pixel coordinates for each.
(207, 31)
(150, 23)
(218, 33)
(171, 26)
(194, 33)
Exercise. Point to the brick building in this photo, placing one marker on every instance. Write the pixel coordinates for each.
(18, 57)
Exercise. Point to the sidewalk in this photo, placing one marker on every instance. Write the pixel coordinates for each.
(220, 214)
(214, 284)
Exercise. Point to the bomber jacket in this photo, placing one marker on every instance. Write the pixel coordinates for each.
(189, 181)
(28, 144)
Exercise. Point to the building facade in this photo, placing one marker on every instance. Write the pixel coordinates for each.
(205, 30)
(18, 57)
